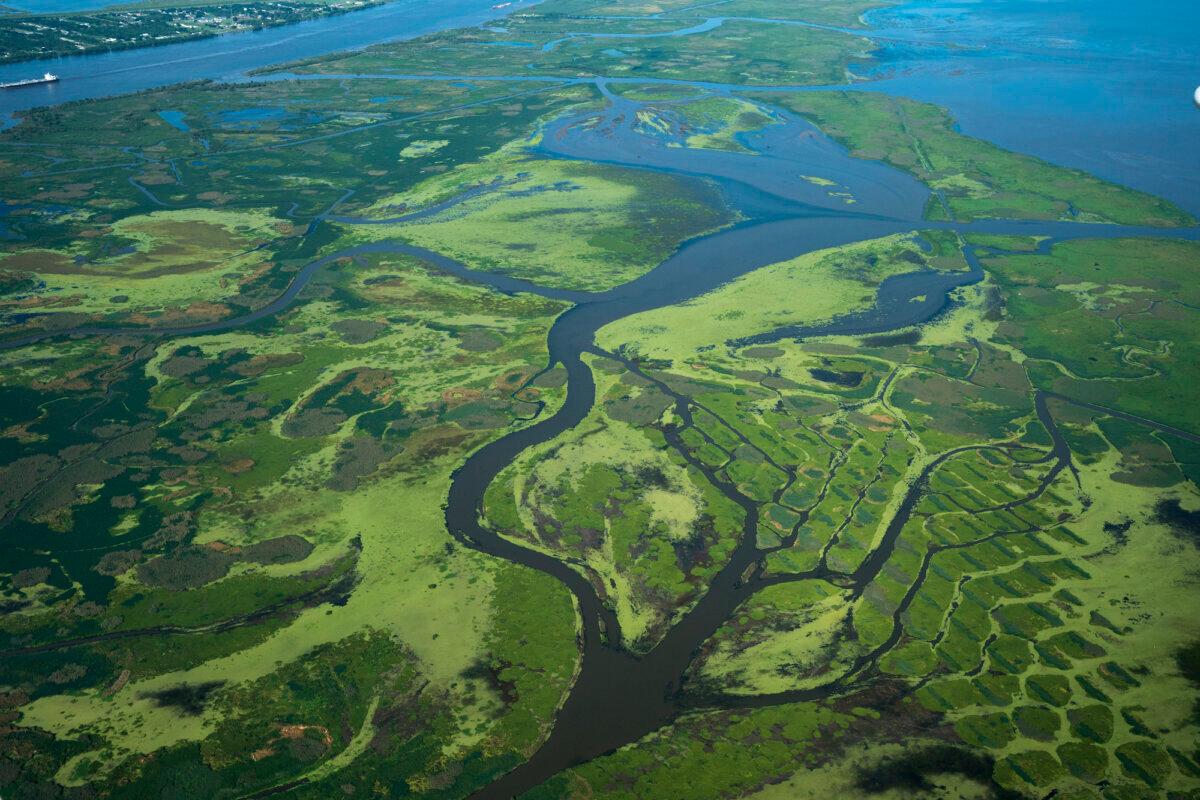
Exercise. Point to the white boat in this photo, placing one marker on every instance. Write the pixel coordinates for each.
(47, 78)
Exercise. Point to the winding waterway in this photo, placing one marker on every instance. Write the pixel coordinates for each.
(619, 697)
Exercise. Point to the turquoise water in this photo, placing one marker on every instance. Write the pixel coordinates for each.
(257, 114)
(175, 120)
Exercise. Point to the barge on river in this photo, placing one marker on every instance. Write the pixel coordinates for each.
(47, 78)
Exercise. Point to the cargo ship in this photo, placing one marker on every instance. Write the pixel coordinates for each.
(47, 78)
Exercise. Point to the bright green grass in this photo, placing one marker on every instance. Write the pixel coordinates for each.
(810, 288)
(976, 178)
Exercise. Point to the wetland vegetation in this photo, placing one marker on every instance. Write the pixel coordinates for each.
(611, 401)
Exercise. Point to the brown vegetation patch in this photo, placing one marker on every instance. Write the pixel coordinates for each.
(552, 378)
(511, 380)
(643, 408)
(260, 364)
(186, 568)
(27, 578)
(370, 381)
(196, 312)
(430, 443)
(217, 198)
(762, 352)
(358, 458)
(881, 422)
(180, 366)
(67, 673)
(460, 395)
(314, 422)
(22, 476)
(117, 562)
(261, 753)
(298, 731)
(155, 178)
(118, 684)
(280, 550)
(479, 340)
(238, 466)
(47, 261)
(358, 331)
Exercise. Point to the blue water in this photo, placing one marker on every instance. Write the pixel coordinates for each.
(712, 23)
(5, 232)
(1102, 85)
(229, 57)
(273, 117)
(257, 114)
(59, 6)
(175, 120)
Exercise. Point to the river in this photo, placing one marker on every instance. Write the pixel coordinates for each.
(229, 57)
(618, 698)
(1102, 85)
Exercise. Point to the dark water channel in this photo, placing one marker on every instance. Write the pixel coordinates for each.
(1125, 131)
(618, 697)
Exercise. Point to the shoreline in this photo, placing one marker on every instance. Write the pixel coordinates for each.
(121, 47)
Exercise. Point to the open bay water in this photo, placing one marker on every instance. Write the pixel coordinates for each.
(230, 56)
(1101, 85)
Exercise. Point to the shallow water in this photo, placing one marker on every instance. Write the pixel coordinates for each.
(175, 119)
(1102, 85)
